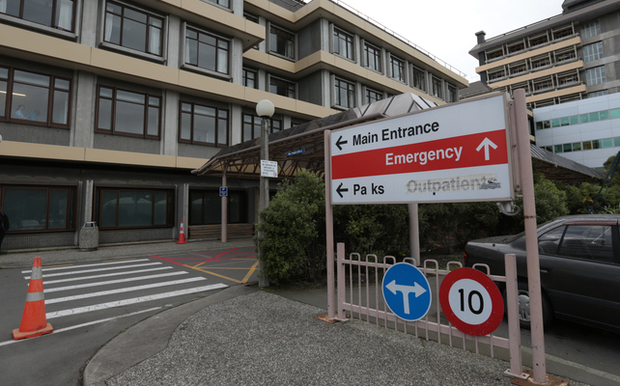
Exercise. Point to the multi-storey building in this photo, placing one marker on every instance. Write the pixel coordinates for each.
(571, 56)
(107, 105)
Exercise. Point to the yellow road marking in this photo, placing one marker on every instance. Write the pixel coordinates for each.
(247, 277)
(214, 274)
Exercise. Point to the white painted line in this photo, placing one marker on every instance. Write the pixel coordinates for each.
(8, 342)
(100, 283)
(141, 299)
(123, 290)
(89, 265)
(46, 282)
(94, 270)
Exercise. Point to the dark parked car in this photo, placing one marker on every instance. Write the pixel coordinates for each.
(579, 268)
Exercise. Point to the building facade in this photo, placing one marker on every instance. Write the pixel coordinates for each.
(568, 57)
(586, 131)
(107, 106)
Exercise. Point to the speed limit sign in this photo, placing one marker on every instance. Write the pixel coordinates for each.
(471, 301)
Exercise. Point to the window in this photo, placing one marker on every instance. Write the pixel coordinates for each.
(281, 42)
(590, 29)
(343, 44)
(52, 13)
(133, 28)
(595, 76)
(281, 87)
(206, 50)
(134, 208)
(206, 207)
(517, 68)
(564, 55)
(204, 125)
(562, 32)
(568, 78)
(250, 78)
(516, 47)
(372, 57)
(496, 74)
(344, 93)
(452, 94)
(397, 67)
(40, 208)
(223, 3)
(592, 52)
(252, 126)
(588, 242)
(538, 40)
(494, 54)
(437, 88)
(128, 113)
(419, 79)
(37, 98)
(543, 84)
(372, 95)
(540, 61)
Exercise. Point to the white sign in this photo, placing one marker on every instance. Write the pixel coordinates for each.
(452, 154)
(268, 168)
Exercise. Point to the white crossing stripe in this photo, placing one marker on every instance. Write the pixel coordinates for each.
(125, 302)
(101, 283)
(8, 342)
(89, 265)
(46, 282)
(95, 270)
(123, 290)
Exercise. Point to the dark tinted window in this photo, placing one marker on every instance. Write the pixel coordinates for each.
(548, 242)
(592, 242)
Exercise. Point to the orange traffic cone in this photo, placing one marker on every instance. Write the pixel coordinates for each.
(34, 322)
(182, 235)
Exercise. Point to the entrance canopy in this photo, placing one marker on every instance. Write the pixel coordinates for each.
(302, 146)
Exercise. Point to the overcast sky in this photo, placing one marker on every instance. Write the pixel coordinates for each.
(447, 28)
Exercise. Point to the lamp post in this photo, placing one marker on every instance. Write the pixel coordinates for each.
(265, 110)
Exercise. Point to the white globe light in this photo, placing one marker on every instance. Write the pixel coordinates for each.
(265, 108)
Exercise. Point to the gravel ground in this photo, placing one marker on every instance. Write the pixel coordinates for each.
(265, 339)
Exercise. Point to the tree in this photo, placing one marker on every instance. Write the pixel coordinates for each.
(293, 227)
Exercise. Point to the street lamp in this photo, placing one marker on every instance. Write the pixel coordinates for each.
(265, 110)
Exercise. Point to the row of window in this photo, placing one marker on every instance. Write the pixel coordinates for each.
(585, 145)
(530, 42)
(343, 44)
(535, 63)
(579, 119)
(52, 208)
(40, 99)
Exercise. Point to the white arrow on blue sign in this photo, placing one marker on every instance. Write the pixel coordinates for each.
(406, 292)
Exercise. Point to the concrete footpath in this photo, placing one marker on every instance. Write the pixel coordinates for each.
(246, 336)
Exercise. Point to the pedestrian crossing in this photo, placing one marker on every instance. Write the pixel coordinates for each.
(116, 286)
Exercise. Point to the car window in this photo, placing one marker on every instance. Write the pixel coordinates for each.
(588, 242)
(548, 242)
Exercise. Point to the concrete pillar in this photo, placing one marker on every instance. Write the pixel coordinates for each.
(175, 42)
(83, 127)
(169, 140)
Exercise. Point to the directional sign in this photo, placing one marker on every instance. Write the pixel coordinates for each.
(406, 291)
(471, 301)
(449, 154)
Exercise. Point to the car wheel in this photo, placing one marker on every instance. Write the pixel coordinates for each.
(523, 297)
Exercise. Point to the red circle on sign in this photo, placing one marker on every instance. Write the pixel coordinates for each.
(464, 296)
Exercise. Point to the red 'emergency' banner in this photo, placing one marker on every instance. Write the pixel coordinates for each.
(481, 149)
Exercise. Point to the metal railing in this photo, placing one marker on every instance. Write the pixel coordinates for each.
(359, 295)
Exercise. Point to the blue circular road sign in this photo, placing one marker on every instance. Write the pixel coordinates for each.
(406, 291)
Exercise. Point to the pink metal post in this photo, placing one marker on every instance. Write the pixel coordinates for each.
(340, 252)
(514, 330)
(531, 239)
(224, 211)
(329, 227)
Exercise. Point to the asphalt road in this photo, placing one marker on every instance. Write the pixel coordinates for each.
(90, 303)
